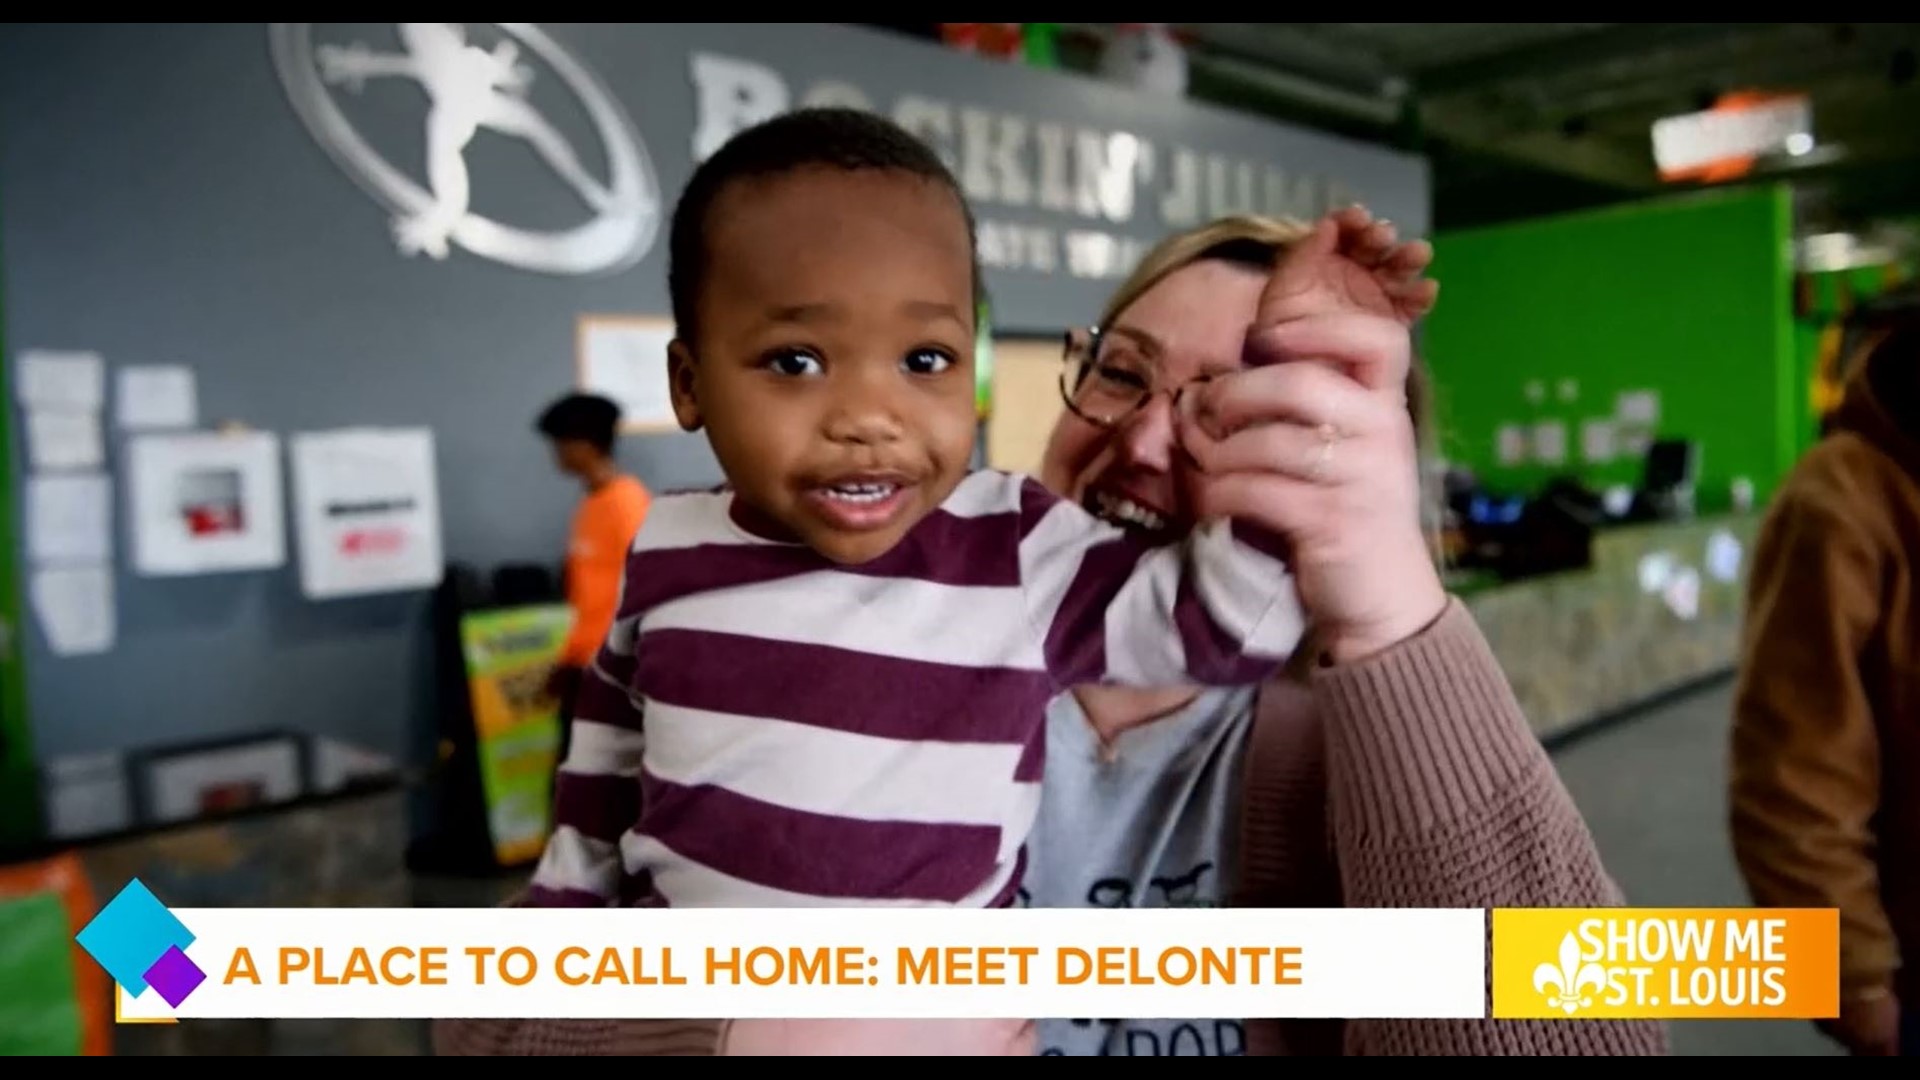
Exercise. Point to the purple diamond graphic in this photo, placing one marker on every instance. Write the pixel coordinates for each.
(175, 976)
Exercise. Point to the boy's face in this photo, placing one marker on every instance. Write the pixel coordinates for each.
(834, 366)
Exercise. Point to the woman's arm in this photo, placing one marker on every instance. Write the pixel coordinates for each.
(1441, 796)
(576, 1038)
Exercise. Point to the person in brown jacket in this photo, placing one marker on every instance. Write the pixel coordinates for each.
(1825, 777)
(1392, 769)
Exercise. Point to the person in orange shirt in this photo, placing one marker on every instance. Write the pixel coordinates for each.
(581, 429)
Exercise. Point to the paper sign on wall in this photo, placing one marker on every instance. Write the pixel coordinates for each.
(156, 397)
(1597, 440)
(367, 508)
(74, 605)
(1550, 442)
(63, 382)
(1639, 407)
(60, 440)
(1511, 444)
(624, 359)
(69, 519)
(206, 502)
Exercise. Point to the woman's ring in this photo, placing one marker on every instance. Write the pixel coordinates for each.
(1329, 435)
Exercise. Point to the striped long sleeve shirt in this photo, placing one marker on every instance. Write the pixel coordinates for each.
(766, 728)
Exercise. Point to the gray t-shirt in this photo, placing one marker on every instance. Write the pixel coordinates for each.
(1154, 825)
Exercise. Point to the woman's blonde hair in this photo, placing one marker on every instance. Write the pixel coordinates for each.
(1257, 243)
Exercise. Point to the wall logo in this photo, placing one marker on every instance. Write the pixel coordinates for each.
(140, 944)
(470, 89)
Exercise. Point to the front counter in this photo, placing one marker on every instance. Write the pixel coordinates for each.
(1658, 609)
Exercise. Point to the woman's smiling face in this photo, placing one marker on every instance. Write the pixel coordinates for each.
(1191, 324)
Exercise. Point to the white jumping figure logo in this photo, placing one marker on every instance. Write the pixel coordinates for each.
(470, 88)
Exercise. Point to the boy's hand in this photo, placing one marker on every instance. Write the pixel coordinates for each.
(1353, 263)
(1349, 264)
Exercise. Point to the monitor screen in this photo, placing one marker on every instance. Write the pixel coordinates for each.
(1670, 463)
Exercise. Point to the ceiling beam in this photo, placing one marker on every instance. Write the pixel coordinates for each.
(1300, 90)
(1790, 60)
(1593, 159)
(1288, 69)
(1288, 48)
(1621, 40)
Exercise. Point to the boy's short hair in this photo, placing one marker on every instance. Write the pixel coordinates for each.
(588, 418)
(839, 138)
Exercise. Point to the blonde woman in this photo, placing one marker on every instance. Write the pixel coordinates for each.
(1393, 767)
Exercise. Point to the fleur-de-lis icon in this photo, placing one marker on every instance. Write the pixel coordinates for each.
(1572, 982)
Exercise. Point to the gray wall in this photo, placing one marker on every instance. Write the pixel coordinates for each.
(160, 202)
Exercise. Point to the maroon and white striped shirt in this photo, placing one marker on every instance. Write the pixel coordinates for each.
(827, 735)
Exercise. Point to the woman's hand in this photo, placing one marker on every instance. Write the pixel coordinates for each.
(1323, 451)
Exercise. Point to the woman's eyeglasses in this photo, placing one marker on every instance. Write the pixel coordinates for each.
(1107, 378)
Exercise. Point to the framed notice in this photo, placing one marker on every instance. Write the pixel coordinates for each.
(509, 653)
(206, 502)
(191, 782)
(367, 508)
(624, 358)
